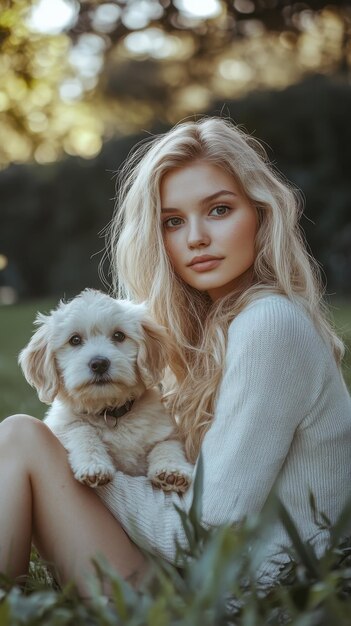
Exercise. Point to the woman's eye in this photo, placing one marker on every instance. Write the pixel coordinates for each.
(75, 340)
(218, 211)
(118, 336)
(173, 222)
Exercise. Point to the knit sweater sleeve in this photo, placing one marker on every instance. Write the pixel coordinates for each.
(269, 382)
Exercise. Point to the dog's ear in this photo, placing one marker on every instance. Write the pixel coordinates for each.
(152, 355)
(38, 363)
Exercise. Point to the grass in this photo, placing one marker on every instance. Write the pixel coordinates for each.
(16, 327)
(341, 314)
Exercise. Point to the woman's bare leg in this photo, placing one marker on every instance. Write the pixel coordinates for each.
(40, 500)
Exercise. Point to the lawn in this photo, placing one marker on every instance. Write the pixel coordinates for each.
(16, 326)
(341, 313)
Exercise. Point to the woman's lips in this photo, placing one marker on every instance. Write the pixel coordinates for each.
(205, 266)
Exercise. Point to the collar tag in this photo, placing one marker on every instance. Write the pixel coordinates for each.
(113, 413)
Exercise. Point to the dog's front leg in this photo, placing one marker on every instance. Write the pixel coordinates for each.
(168, 468)
(87, 455)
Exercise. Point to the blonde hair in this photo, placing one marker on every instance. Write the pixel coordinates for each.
(197, 326)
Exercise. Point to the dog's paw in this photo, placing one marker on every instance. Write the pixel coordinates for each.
(171, 480)
(95, 475)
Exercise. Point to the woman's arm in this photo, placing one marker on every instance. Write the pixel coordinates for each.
(272, 376)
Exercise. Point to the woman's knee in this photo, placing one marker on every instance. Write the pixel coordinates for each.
(22, 430)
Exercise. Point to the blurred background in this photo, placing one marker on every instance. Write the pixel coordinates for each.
(82, 81)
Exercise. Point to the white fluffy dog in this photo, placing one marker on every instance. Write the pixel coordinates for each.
(98, 361)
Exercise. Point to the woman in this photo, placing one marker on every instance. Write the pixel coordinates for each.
(206, 232)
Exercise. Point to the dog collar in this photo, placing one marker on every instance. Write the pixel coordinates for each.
(116, 412)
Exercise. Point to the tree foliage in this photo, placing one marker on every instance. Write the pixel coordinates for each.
(123, 65)
(232, 20)
(148, 74)
(51, 215)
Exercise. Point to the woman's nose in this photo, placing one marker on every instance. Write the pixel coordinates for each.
(198, 235)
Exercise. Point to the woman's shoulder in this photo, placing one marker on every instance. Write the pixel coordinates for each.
(272, 306)
(276, 337)
(274, 317)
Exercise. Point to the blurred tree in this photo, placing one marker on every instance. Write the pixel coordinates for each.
(119, 65)
(211, 24)
(34, 120)
(51, 215)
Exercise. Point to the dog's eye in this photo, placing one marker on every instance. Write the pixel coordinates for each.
(75, 340)
(118, 336)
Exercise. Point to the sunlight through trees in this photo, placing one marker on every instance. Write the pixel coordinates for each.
(73, 74)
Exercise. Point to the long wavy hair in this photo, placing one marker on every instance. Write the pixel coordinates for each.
(197, 326)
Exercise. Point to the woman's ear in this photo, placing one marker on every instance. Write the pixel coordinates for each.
(38, 363)
(153, 352)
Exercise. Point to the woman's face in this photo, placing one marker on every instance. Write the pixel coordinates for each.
(209, 227)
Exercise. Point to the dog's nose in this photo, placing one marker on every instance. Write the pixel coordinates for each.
(99, 364)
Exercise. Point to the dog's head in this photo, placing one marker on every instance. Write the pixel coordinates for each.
(94, 349)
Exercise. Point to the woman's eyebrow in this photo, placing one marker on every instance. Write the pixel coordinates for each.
(222, 192)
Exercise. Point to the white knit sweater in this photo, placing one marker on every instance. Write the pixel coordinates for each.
(283, 417)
